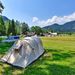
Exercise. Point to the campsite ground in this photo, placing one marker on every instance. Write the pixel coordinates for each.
(58, 59)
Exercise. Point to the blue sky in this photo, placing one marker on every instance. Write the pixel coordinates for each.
(39, 12)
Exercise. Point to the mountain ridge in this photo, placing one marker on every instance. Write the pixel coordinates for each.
(5, 18)
(67, 27)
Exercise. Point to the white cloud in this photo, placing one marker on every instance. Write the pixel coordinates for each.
(54, 19)
(35, 19)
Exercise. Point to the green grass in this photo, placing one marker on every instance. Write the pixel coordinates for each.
(58, 59)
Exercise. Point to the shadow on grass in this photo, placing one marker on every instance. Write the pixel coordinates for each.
(4, 47)
(40, 69)
(50, 69)
(42, 65)
(60, 54)
(10, 70)
(61, 70)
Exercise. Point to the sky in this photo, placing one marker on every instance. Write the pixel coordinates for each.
(40, 12)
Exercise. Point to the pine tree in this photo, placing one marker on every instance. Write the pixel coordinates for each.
(25, 28)
(2, 26)
(1, 7)
(13, 27)
(9, 31)
(18, 27)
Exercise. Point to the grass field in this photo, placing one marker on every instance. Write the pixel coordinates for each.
(58, 59)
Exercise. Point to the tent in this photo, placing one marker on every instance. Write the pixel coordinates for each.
(24, 52)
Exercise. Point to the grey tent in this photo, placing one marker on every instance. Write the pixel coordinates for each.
(24, 52)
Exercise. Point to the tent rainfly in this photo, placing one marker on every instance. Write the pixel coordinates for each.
(24, 52)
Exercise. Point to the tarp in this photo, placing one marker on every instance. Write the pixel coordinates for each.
(24, 52)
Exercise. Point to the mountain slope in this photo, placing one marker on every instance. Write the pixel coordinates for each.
(67, 27)
(5, 18)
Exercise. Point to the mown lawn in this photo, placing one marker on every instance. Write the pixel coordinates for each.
(58, 59)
